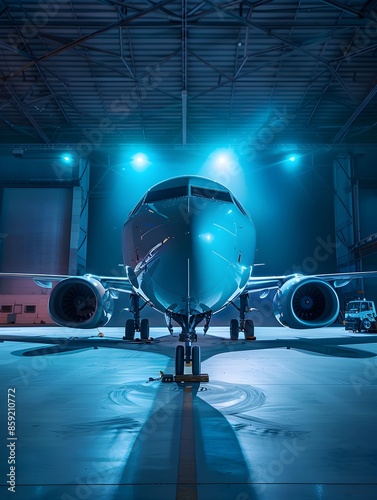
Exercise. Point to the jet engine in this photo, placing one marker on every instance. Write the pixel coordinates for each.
(306, 303)
(80, 302)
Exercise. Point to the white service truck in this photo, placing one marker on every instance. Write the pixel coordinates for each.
(361, 316)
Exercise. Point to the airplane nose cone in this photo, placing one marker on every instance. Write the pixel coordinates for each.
(198, 259)
(212, 256)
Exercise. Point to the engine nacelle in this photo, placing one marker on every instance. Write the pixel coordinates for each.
(80, 302)
(306, 303)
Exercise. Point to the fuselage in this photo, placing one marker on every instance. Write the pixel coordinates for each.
(188, 246)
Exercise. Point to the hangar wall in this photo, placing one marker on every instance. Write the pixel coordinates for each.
(368, 211)
(355, 199)
(43, 206)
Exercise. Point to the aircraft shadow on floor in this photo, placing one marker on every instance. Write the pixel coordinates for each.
(211, 346)
(151, 468)
(219, 457)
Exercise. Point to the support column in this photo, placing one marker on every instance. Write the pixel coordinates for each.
(79, 221)
(346, 212)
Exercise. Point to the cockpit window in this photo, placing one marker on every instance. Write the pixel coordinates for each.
(133, 212)
(212, 194)
(239, 206)
(166, 194)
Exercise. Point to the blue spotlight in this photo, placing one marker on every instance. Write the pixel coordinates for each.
(140, 161)
(292, 158)
(222, 159)
(291, 162)
(67, 158)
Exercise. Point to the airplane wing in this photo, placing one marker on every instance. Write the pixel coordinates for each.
(265, 283)
(116, 283)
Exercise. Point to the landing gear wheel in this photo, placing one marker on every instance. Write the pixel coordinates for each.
(179, 360)
(144, 329)
(234, 329)
(195, 358)
(130, 330)
(249, 329)
(366, 324)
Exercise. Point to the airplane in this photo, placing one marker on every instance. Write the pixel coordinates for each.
(188, 252)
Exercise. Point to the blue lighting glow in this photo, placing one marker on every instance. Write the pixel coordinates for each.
(292, 158)
(140, 162)
(67, 158)
(207, 237)
(223, 158)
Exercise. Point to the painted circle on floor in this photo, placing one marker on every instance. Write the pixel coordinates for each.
(225, 397)
(230, 398)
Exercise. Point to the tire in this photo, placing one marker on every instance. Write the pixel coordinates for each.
(234, 329)
(130, 329)
(366, 324)
(179, 360)
(249, 330)
(195, 358)
(144, 329)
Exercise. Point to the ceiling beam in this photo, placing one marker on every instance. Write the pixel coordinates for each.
(346, 8)
(352, 53)
(237, 68)
(174, 24)
(343, 131)
(26, 113)
(31, 56)
(78, 41)
(327, 85)
(137, 85)
(184, 35)
(114, 69)
(218, 70)
(288, 42)
(23, 130)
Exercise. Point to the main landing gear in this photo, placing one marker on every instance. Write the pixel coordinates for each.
(243, 324)
(136, 324)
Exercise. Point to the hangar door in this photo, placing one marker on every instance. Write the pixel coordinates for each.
(35, 233)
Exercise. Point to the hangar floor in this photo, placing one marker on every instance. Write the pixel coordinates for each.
(271, 424)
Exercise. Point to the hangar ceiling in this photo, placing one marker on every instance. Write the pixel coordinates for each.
(186, 72)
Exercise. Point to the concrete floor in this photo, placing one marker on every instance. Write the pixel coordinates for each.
(272, 423)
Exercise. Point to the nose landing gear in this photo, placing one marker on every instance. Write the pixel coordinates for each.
(181, 359)
(185, 357)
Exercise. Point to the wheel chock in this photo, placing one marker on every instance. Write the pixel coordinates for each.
(168, 378)
(203, 377)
